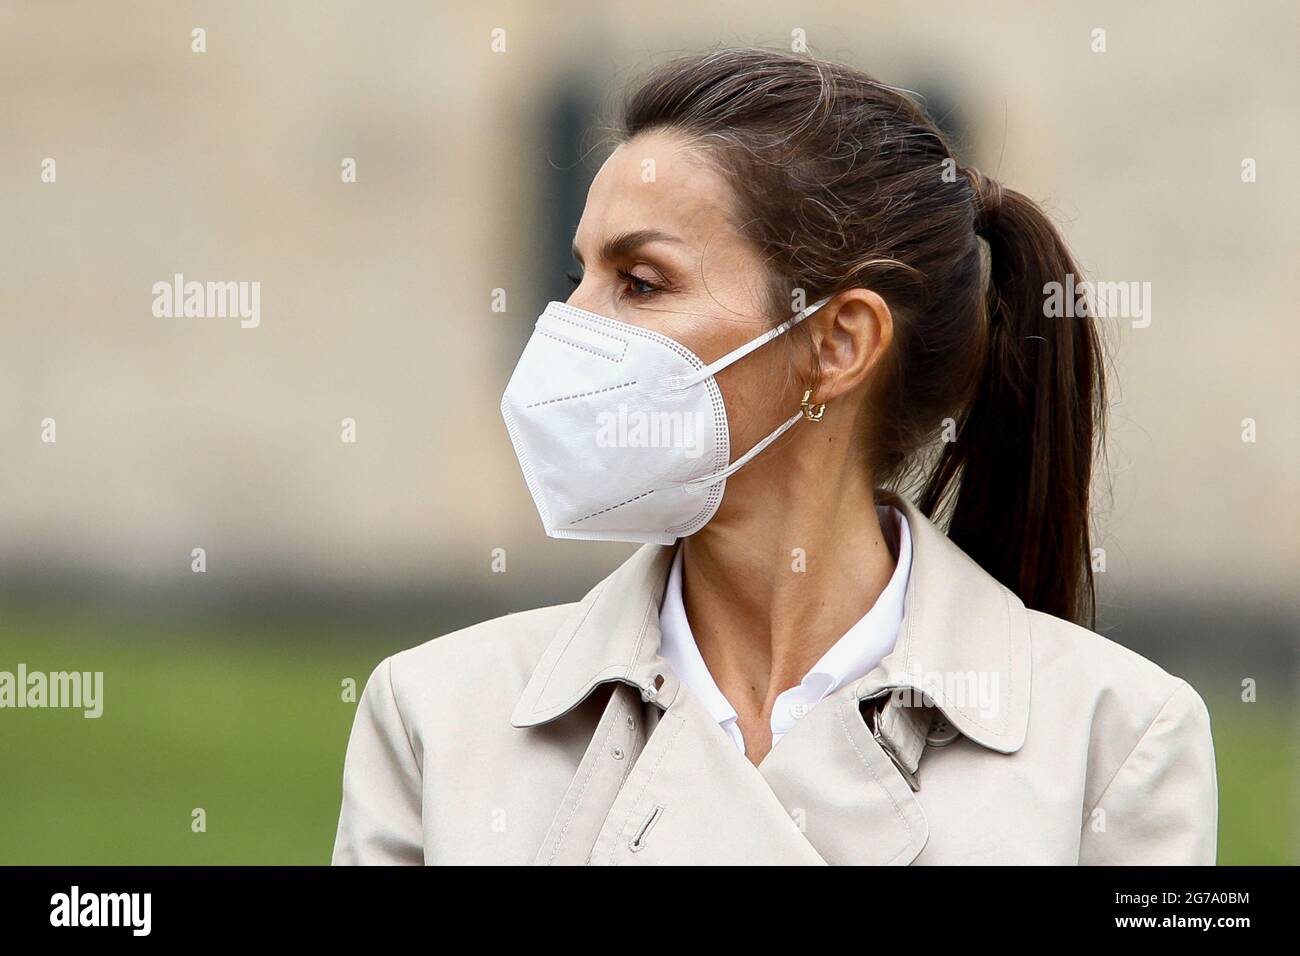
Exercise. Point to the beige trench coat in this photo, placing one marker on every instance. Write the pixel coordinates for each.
(991, 734)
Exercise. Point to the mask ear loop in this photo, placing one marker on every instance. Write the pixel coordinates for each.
(808, 411)
(678, 382)
(812, 414)
(735, 466)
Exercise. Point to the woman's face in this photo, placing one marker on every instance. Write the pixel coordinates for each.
(658, 248)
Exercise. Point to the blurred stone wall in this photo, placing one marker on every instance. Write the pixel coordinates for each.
(225, 165)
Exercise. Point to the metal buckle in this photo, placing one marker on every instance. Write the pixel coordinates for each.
(887, 747)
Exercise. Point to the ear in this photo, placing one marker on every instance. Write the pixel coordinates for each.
(850, 334)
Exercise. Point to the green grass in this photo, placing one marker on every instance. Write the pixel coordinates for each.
(251, 730)
(246, 721)
(1257, 754)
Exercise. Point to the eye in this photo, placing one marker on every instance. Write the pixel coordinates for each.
(638, 287)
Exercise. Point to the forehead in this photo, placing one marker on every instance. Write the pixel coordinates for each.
(658, 180)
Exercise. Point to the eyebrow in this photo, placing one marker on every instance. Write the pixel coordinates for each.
(624, 244)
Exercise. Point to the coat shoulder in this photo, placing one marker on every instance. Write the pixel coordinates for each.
(1095, 661)
(1124, 692)
(1150, 791)
(485, 663)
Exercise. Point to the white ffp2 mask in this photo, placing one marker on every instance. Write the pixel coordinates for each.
(622, 432)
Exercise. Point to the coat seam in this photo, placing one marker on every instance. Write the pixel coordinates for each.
(401, 721)
(582, 791)
(1132, 750)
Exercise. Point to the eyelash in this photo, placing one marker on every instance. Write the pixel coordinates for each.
(648, 288)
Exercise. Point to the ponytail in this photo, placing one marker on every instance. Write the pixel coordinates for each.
(1025, 444)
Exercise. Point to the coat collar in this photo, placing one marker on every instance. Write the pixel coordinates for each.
(963, 644)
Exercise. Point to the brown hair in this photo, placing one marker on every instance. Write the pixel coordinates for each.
(843, 183)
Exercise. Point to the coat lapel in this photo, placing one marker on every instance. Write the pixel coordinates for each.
(846, 794)
(612, 635)
(693, 798)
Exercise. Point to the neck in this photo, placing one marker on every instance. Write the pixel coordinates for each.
(778, 578)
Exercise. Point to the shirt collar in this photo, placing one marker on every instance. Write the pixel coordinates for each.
(960, 626)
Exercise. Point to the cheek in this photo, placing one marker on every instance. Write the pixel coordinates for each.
(759, 391)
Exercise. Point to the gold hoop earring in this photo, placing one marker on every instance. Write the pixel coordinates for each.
(811, 412)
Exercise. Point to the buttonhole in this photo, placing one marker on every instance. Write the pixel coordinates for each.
(638, 841)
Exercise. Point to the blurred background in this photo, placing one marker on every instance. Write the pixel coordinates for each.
(223, 688)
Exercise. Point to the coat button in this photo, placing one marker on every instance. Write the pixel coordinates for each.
(617, 753)
(942, 732)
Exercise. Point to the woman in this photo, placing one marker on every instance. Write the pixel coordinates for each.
(790, 291)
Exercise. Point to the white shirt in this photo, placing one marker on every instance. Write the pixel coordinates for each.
(853, 656)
